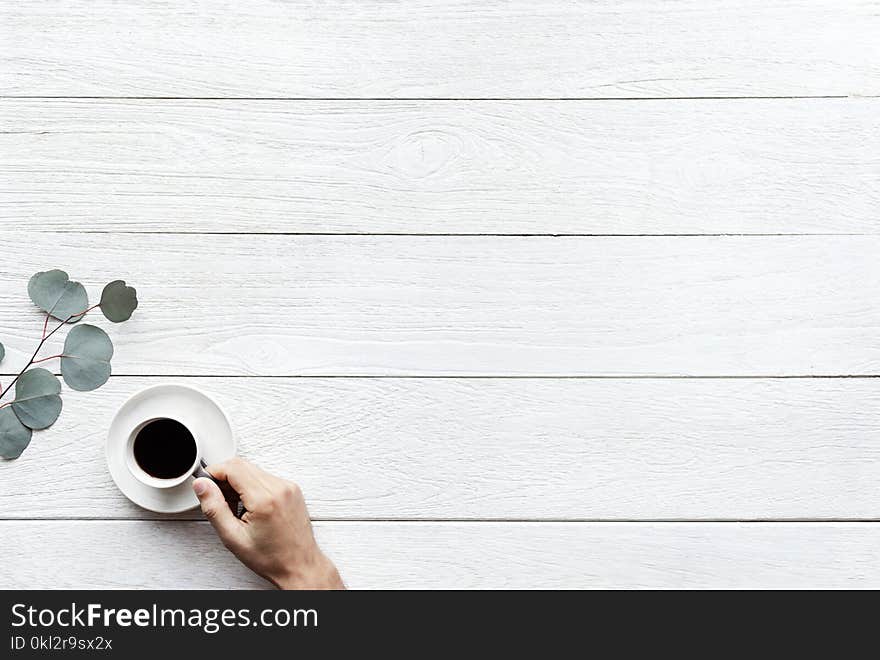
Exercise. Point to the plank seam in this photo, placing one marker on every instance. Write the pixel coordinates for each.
(446, 234)
(477, 521)
(494, 377)
(355, 99)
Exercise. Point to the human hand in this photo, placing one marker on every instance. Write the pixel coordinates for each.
(274, 538)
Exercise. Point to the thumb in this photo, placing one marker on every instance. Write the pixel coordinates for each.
(217, 511)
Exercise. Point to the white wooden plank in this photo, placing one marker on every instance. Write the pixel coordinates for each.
(439, 48)
(576, 167)
(315, 305)
(505, 448)
(377, 555)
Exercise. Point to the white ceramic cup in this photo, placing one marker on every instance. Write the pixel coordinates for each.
(195, 470)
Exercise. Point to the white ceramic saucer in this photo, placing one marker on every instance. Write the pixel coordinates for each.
(195, 410)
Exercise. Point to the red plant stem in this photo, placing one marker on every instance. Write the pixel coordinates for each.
(51, 357)
(33, 357)
(40, 345)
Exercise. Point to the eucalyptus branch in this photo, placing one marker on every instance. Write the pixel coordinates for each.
(85, 359)
(39, 346)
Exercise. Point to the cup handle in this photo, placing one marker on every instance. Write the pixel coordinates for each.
(228, 491)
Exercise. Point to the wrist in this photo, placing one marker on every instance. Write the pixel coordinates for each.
(317, 574)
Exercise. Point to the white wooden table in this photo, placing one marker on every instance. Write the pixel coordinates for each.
(524, 294)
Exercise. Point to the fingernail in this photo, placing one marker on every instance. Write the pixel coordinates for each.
(199, 486)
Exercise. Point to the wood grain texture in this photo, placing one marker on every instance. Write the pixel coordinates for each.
(551, 167)
(100, 555)
(439, 48)
(468, 306)
(505, 448)
(438, 434)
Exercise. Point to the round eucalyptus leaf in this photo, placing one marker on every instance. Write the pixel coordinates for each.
(54, 293)
(2, 352)
(14, 436)
(85, 363)
(118, 301)
(37, 403)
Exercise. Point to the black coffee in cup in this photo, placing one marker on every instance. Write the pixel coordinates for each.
(164, 448)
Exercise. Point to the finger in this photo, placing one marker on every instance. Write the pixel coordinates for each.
(249, 481)
(218, 513)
